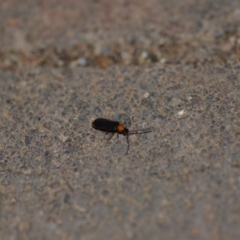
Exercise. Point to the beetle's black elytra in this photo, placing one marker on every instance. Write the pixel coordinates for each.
(110, 126)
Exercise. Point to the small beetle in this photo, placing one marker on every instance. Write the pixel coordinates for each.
(110, 126)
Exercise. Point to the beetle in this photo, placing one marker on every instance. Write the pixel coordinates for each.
(110, 126)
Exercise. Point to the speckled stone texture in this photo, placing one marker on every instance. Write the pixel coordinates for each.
(65, 64)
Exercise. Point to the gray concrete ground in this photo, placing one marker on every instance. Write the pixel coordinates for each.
(169, 65)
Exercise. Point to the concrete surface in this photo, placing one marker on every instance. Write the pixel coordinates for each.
(169, 65)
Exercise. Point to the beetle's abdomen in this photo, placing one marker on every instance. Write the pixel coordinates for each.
(105, 125)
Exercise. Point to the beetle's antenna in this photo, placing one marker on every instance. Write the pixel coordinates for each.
(127, 144)
(140, 131)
